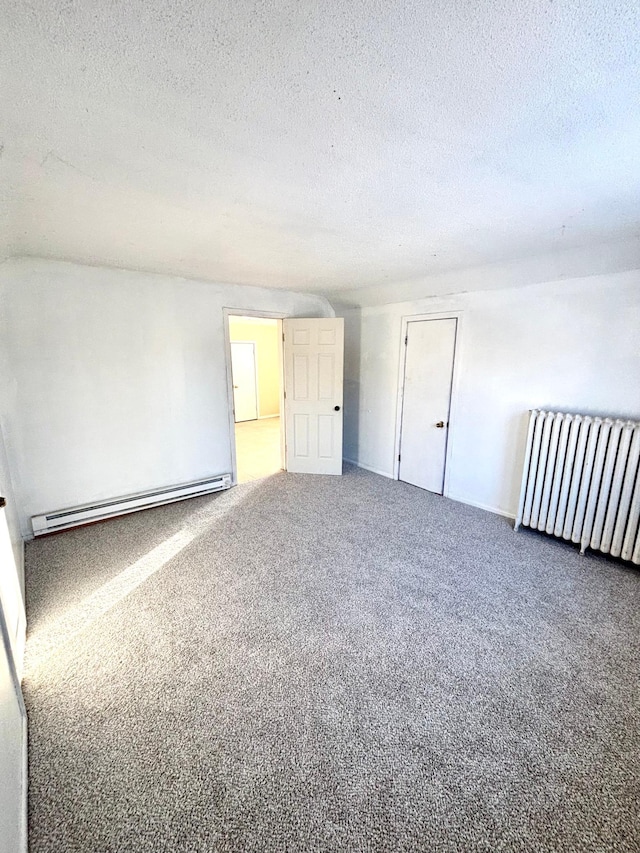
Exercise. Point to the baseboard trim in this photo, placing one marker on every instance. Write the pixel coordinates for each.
(369, 468)
(264, 417)
(477, 504)
(485, 507)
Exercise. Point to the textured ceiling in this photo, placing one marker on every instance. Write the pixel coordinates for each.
(317, 145)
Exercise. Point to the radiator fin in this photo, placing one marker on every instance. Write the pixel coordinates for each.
(581, 481)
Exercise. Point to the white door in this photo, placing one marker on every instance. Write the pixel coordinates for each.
(245, 388)
(313, 362)
(10, 594)
(13, 752)
(428, 373)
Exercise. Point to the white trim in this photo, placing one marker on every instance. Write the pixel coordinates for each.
(283, 419)
(264, 417)
(370, 468)
(476, 504)
(455, 380)
(485, 507)
(246, 312)
(24, 823)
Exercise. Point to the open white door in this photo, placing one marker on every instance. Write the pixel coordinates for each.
(13, 717)
(13, 752)
(313, 365)
(11, 595)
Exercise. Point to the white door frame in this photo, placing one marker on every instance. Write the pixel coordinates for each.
(269, 315)
(415, 318)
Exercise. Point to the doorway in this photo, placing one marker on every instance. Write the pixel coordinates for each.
(426, 391)
(293, 420)
(256, 375)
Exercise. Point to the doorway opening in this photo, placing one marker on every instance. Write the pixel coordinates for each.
(255, 345)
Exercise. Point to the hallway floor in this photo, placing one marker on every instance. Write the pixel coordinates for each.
(258, 449)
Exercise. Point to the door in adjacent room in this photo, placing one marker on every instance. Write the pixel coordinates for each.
(426, 402)
(245, 386)
(313, 371)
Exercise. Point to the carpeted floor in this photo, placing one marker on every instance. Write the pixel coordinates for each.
(330, 664)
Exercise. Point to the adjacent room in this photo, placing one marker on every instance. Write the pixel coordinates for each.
(320, 426)
(256, 373)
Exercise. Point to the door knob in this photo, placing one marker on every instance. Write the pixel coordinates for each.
(336, 408)
(440, 425)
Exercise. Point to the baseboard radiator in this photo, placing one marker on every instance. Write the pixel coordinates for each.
(581, 482)
(61, 519)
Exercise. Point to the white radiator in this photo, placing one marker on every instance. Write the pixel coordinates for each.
(64, 518)
(581, 482)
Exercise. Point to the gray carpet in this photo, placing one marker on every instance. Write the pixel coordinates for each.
(328, 664)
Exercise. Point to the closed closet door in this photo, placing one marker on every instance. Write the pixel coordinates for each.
(428, 374)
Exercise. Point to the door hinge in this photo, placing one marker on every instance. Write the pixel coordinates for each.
(284, 394)
(398, 457)
(406, 339)
(283, 336)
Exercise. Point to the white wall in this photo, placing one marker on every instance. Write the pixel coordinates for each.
(115, 381)
(590, 259)
(570, 345)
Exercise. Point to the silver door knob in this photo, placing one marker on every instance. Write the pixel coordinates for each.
(440, 425)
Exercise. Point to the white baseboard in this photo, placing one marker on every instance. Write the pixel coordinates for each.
(264, 417)
(477, 504)
(487, 508)
(369, 468)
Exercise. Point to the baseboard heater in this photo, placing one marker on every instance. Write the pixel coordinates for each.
(581, 481)
(61, 519)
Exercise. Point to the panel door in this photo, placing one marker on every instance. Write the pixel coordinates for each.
(428, 374)
(13, 751)
(10, 594)
(245, 388)
(313, 368)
